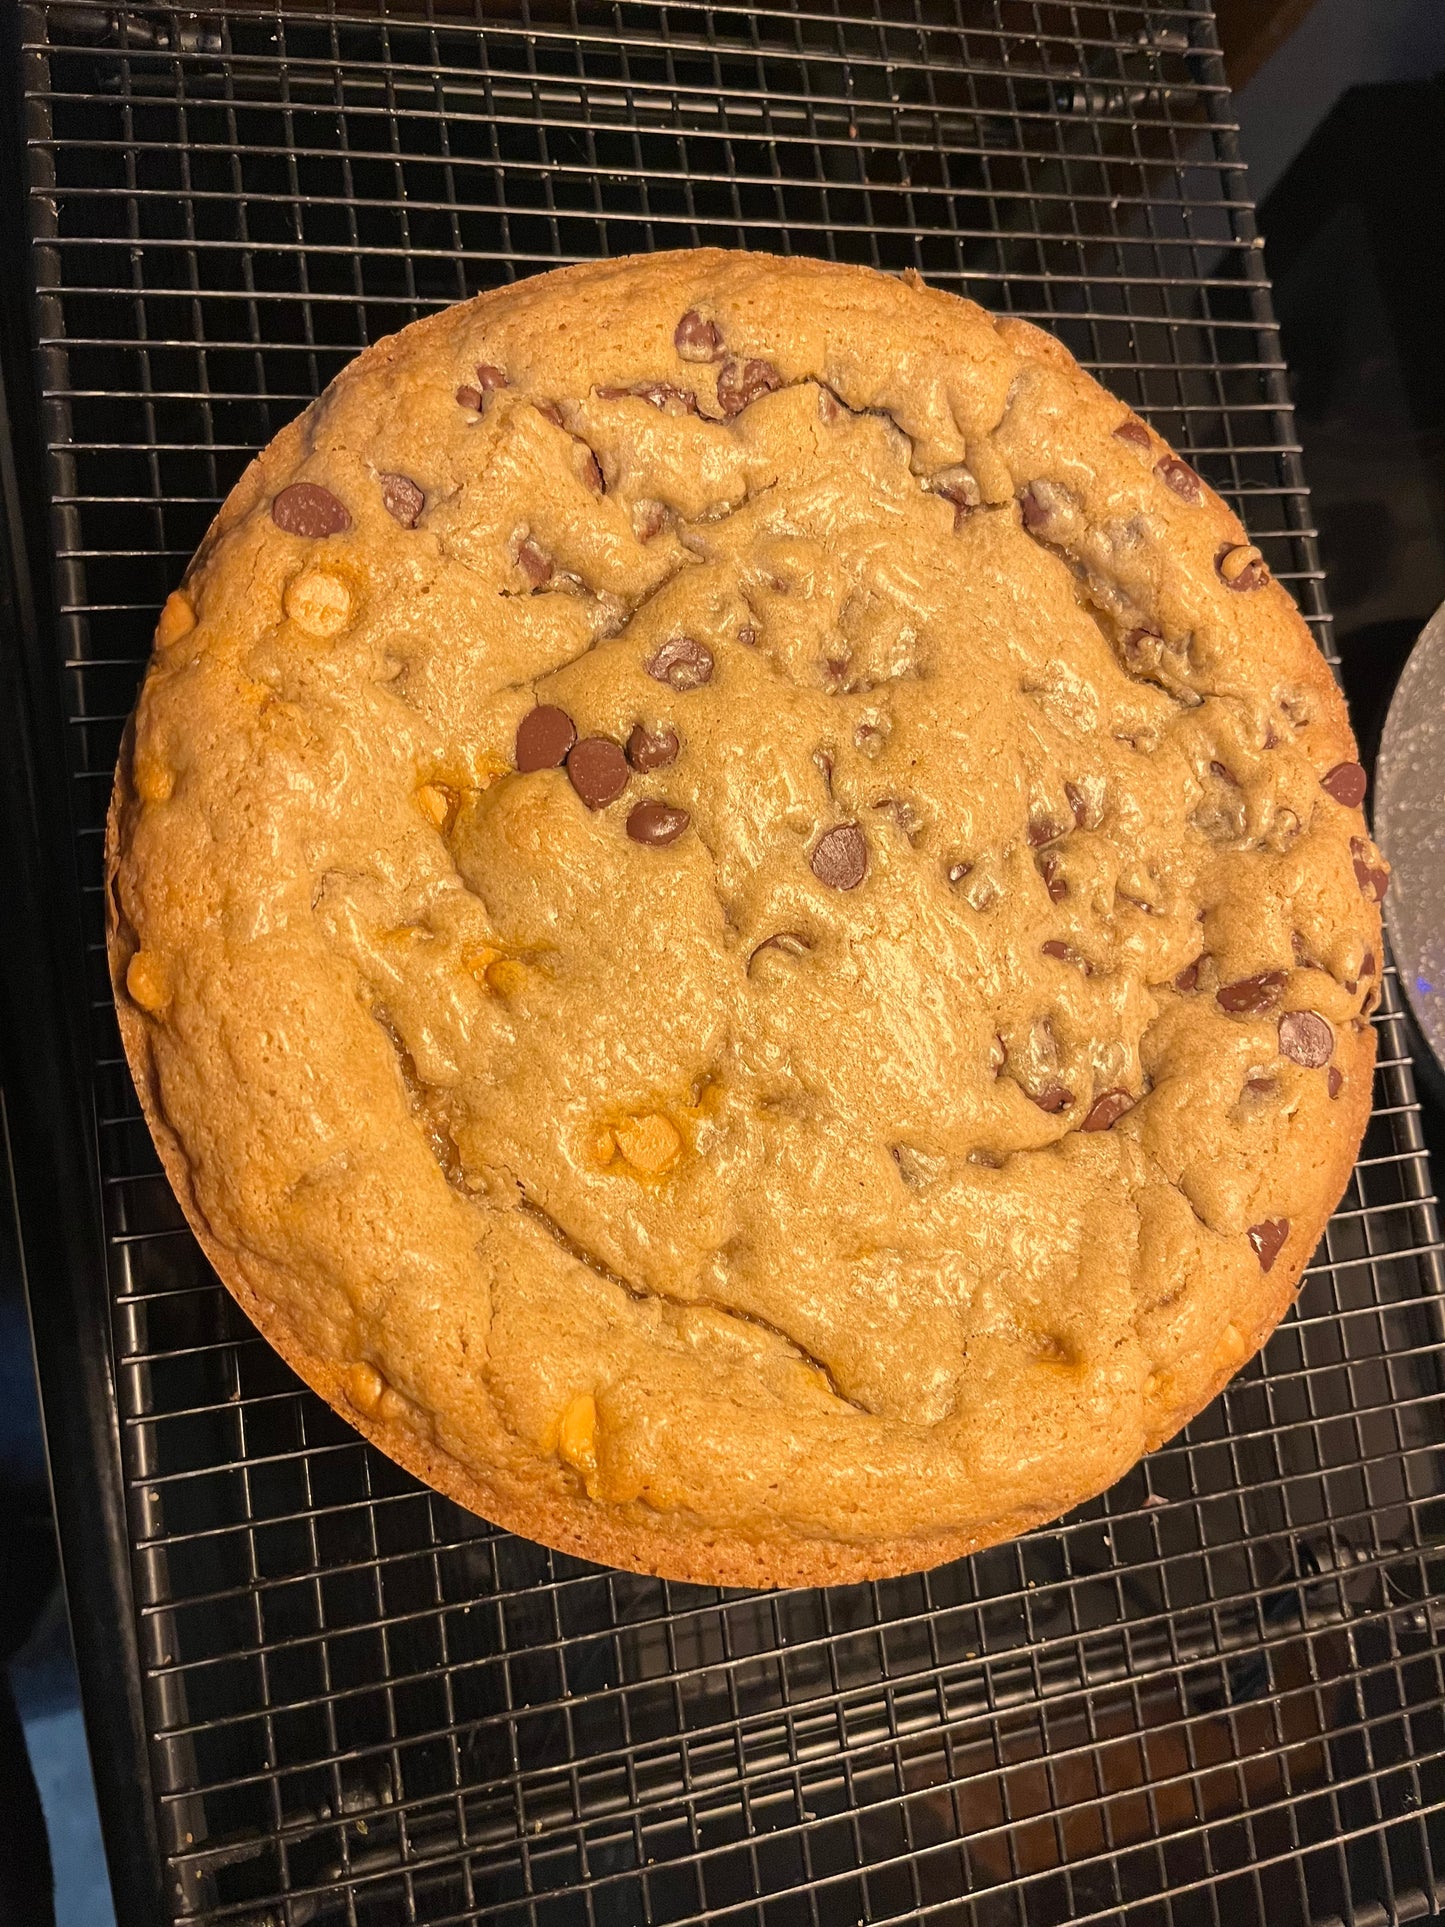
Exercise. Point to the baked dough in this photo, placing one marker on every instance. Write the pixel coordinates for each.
(742, 918)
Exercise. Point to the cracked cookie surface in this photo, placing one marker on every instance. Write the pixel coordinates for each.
(742, 917)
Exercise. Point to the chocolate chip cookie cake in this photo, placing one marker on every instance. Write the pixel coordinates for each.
(743, 918)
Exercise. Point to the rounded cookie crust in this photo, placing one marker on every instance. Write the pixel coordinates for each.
(742, 918)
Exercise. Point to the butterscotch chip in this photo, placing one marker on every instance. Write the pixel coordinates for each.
(318, 602)
(848, 1124)
(148, 981)
(177, 619)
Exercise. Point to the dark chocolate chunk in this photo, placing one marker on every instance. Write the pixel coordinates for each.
(544, 736)
(305, 508)
(1336, 1080)
(649, 749)
(682, 663)
(656, 823)
(1106, 1110)
(1306, 1038)
(748, 636)
(402, 499)
(1188, 978)
(1042, 829)
(697, 339)
(840, 857)
(1346, 784)
(1268, 1240)
(1137, 436)
(1180, 477)
(598, 770)
(741, 382)
(1055, 948)
(1054, 880)
(1368, 966)
(1251, 996)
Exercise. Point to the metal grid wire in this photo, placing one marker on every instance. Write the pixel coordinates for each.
(1213, 1695)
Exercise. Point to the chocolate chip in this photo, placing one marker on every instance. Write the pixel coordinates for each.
(544, 736)
(1052, 1098)
(402, 499)
(956, 872)
(1250, 996)
(1042, 829)
(658, 394)
(696, 339)
(1106, 1110)
(550, 412)
(840, 858)
(490, 377)
(1140, 649)
(1373, 882)
(1368, 965)
(1081, 806)
(469, 397)
(649, 518)
(1305, 1038)
(1268, 1240)
(1054, 881)
(590, 473)
(1261, 1086)
(1336, 1080)
(533, 562)
(748, 637)
(1137, 436)
(1180, 477)
(682, 663)
(741, 382)
(598, 770)
(305, 508)
(1188, 978)
(792, 943)
(1346, 784)
(957, 485)
(651, 749)
(1241, 567)
(1224, 775)
(671, 401)
(1054, 948)
(656, 823)
(1035, 514)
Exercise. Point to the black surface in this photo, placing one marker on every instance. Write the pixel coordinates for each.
(1215, 1694)
(1355, 244)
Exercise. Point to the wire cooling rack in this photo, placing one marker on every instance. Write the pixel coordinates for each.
(1212, 1696)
